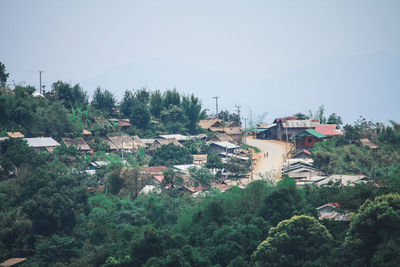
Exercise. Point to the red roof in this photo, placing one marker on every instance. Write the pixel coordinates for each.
(303, 151)
(327, 129)
(155, 169)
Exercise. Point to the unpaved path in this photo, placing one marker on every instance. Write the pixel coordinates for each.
(272, 157)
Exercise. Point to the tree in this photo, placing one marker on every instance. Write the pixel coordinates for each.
(299, 241)
(70, 96)
(15, 154)
(320, 115)
(127, 103)
(103, 100)
(284, 202)
(334, 119)
(201, 176)
(169, 155)
(214, 162)
(156, 104)
(301, 116)
(3, 75)
(140, 115)
(172, 178)
(143, 96)
(174, 119)
(192, 109)
(374, 233)
(171, 97)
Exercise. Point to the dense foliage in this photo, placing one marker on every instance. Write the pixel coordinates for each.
(55, 213)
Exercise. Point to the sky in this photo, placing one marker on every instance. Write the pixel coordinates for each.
(274, 57)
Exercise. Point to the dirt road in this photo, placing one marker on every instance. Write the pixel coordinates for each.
(271, 161)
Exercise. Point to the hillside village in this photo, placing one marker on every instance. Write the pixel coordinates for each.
(154, 180)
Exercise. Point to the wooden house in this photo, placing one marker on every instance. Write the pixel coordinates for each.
(78, 142)
(308, 138)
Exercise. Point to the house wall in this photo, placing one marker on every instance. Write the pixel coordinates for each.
(307, 141)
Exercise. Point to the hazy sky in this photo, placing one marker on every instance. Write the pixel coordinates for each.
(279, 57)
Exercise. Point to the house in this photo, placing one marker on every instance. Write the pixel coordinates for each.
(162, 142)
(179, 137)
(150, 189)
(42, 143)
(300, 171)
(78, 142)
(138, 143)
(209, 124)
(308, 138)
(4, 138)
(235, 132)
(302, 154)
(123, 142)
(15, 135)
(329, 212)
(148, 141)
(346, 180)
(156, 172)
(288, 127)
(120, 122)
(222, 138)
(200, 159)
(265, 131)
(328, 130)
(366, 142)
(218, 147)
(13, 262)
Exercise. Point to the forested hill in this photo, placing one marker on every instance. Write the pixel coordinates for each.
(54, 212)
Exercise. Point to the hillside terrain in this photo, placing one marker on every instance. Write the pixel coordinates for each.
(154, 180)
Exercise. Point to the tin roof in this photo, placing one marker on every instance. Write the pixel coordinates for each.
(300, 123)
(328, 129)
(41, 142)
(306, 132)
(225, 145)
(77, 142)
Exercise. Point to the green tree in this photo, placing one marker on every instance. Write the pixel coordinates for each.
(374, 233)
(172, 178)
(191, 106)
(169, 155)
(174, 119)
(70, 96)
(284, 202)
(3, 75)
(201, 176)
(143, 96)
(299, 241)
(334, 119)
(171, 98)
(104, 101)
(140, 115)
(16, 156)
(127, 103)
(214, 161)
(156, 104)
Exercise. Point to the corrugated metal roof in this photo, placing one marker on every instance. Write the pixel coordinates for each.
(41, 142)
(328, 129)
(300, 124)
(306, 132)
(225, 145)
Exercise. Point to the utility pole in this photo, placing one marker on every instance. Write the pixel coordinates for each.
(216, 104)
(245, 131)
(40, 81)
(238, 111)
